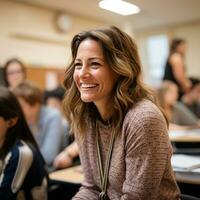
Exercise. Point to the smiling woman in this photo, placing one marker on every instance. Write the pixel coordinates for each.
(93, 77)
(122, 135)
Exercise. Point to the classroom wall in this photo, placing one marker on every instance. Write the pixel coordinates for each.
(29, 32)
(190, 31)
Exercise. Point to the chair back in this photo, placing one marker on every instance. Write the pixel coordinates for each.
(188, 197)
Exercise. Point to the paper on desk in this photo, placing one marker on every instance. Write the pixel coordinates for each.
(176, 133)
(186, 162)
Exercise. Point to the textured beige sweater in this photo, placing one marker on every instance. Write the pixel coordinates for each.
(140, 167)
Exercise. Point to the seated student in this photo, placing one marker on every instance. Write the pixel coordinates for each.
(22, 167)
(191, 99)
(69, 156)
(45, 122)
(179, 116)
(53, 98)
(14, 72)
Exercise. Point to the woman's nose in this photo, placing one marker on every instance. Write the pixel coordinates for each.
(84, 72)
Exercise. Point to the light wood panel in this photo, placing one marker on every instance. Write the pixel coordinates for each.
(38, 75)
(72, 174)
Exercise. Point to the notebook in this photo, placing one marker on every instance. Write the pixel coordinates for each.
(181, 162)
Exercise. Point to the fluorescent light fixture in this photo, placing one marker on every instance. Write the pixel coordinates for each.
(119, 6)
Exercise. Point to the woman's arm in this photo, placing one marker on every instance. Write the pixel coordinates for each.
(88, 190)
(65, 158)
(148, 152)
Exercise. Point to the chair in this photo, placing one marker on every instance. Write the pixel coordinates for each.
(189, 189)
(188, 197)
(61, 190)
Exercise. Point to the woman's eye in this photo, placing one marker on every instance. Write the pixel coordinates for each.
(77, 65)
(95, 65)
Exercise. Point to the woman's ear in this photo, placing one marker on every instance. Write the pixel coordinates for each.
(12, 122)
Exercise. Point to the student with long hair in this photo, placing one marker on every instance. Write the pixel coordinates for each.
(122, 135)
(22, 167)
(178, 115)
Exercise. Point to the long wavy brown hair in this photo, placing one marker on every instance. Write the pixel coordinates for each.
(121, 54)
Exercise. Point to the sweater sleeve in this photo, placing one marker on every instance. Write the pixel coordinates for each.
(147, 150)
(88, 190)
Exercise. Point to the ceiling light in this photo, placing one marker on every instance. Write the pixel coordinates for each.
(119, 6)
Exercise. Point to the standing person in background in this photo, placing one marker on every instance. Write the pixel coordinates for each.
(14, 72)
(22, 167)
(122, 135)
(44, 122)
(175, 69)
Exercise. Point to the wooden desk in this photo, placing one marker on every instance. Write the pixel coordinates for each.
(75, 175)
(72, 174)
(185, 136)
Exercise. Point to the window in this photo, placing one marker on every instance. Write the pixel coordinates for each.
(157, 52)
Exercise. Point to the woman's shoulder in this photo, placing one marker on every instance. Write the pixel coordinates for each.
(145, 121)
(22, 152)
(143, 112)
(143, 107)
(175, 57)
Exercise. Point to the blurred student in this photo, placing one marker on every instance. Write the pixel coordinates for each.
(44, 122)
(14, 72)
(22, 167)
(191, 99)
(179, 116)
(53, 98)
(69, 156)
(175, 69)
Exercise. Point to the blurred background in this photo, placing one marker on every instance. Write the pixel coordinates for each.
(38, 32)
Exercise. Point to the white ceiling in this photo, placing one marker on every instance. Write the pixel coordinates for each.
(153, 12)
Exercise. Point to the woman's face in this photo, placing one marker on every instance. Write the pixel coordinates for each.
(171, 95)
(93, 77)
(15, 74)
